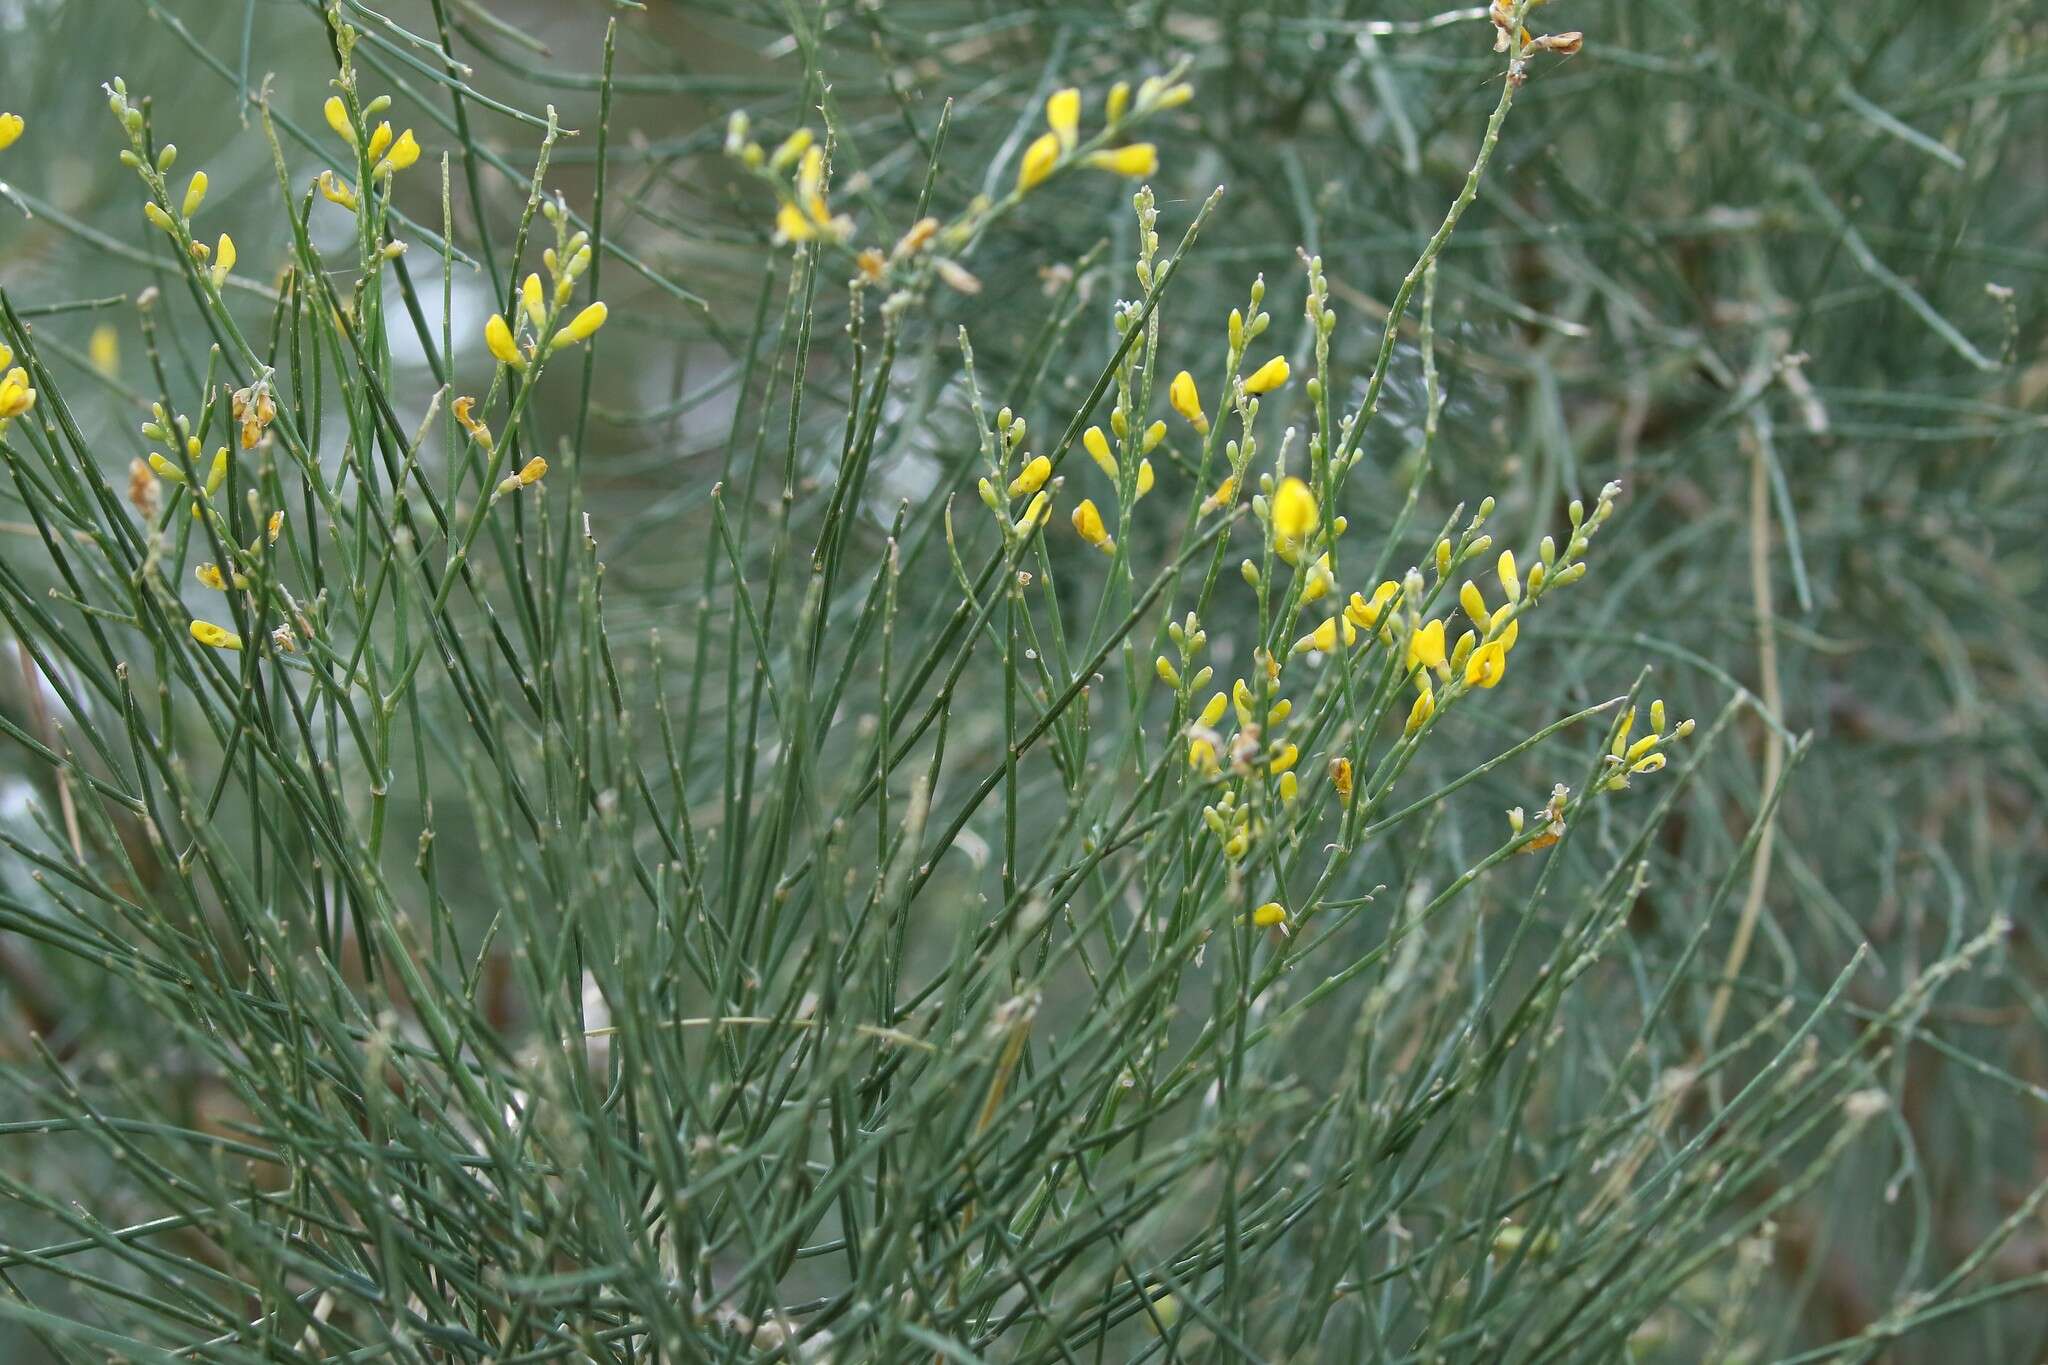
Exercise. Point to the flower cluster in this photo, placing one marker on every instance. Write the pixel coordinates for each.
(1060, 145)
(538, 319)
(171, 215)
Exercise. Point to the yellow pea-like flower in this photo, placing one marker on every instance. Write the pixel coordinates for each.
(1063, 116)
(1187, 401)
(1039, 159)
(1488, 664)
(337, 119)
(1137, 160)
(1366, 614)
(402, 155)
(337, 191)
(1202, 755)
(1295, 518)
(215, 637)
(1641, 747)
(1144, 477)
(1268, 376)
(1213, 711)
(1097, 446)
(16, 397)
(1283, 760)
(10, 130)
(535, 300)
(380, 142)
(1032, 477)
(582, 327)
(1426, 646)
(1269, 914)
(1088, 522)
(498, 337)
(1422, 710)
(1320, 580)
(1322, 639)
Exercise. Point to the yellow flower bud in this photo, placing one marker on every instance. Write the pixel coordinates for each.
(1510, 581)
(1268, 376)
(1202, 755)
(215, 637)
(380, 142)
(1137, 160)
(582, 327)
(1657, 715)
(1032, 477)
(1421, 711)
(158, 218)
(1063, 115)
(1283, 760)
(1144, 477)
(1474, 604)
(1039, 159)
(195, 193)
(1088, 522)
(1225, 494)
(498, 337)
(223, 260)
(1154, 434)
(1035, 512)
(1168, 674)
(535, 300)
(337, 119)
(1269, 914)
(10, 130)
(1119, 101)
(1213, 711)
(1187, 402)
(1097, 446)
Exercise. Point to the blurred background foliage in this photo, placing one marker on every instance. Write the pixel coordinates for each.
(1782, 268)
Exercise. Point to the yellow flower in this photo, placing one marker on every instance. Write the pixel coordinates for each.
(1426, 646)
(158, 218)
(1295, 518)
(1202, 755)
(1510, 581)
(1340, 778)
(337, 119)
(10, 130)
(498, 337)
(337, 191)
(1137, 160)
(1088, 522)
(1032, 477)
(195, 194)
(1270, 914)
(1035, 512)
(215, 637)
(1144, 477)
(792, 147)
(16, 397)
(380, 141)
(1424, 708)
(1487, 665)
(1188, 402)
(1284, 759)
(1268, 376)
(1322, 639)
(1474, 604)
(582, 327)
(403, 154)
(104, 349)
(809, 216)
(1063, 115)
(1039, 159)
(1154, 434)
(1320, 580)
(1225, 493)
(223, 260)
(534, 300)
(1213, 712)
(1118, 102)
(530, 473)
(1097, 446)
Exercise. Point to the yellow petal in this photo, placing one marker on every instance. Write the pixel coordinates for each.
(1063, 115)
